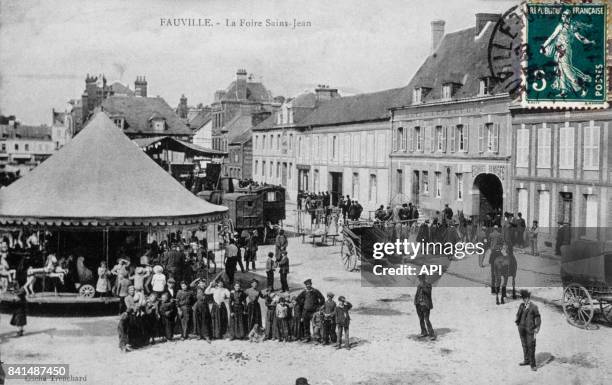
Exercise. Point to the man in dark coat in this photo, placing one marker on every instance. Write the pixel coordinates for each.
(424, 304)
(496, 240)
(310, 301)
(528, 321)
(563, 237)
(423, 234)
(173, 262)
(520, 230)
(448, 213)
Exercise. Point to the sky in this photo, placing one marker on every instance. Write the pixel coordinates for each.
(48, 46)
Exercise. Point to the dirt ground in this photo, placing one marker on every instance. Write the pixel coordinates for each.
(478, 342)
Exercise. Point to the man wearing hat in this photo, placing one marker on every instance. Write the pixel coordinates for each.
(310, 300)
(423, 233)
(528, 321)
(424, 304)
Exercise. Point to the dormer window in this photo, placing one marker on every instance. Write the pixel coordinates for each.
(485, 86)
(158, 124)
(279, 118)
(417, 95)
(291, 116)
(118, 122)
(447, 91)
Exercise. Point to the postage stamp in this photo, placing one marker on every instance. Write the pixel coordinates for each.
(564, 64)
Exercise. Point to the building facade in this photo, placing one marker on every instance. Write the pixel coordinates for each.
(23, 147)
(452, 137)
(563, 162)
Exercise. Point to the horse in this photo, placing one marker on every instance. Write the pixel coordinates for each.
(503, 265)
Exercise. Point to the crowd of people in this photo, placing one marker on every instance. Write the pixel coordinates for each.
(210, 311)
(321, 204)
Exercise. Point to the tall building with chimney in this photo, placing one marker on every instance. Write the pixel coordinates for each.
(451, 129)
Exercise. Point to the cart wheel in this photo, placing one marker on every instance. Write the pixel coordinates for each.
(606, 311)
(87, 291)
(578, 305)
(349, 254)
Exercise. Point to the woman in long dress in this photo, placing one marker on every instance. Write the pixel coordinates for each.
(568, 78)
(238, 319)
(219, 310)
(253, 308)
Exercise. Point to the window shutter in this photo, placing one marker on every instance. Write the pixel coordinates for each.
(412, 136)
(595, 147)
(466, 138)
(452, 138)
(432, 138)
(496, 137)
(481, 129)
(444, 135)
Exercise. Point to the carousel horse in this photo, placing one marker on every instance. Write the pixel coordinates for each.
(52, 269)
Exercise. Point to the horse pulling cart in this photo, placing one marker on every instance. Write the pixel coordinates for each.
(586, 273)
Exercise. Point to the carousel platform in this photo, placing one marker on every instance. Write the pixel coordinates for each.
(53, 304)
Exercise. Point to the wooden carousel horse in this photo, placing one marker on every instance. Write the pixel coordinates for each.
(52, 269)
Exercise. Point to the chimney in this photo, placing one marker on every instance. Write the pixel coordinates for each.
(241, 84)
(140, 86)
(323, 92)
(182, 108)
(437, 33)
(483, 18)
(219, 95)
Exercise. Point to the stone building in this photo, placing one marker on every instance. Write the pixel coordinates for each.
(451, 131)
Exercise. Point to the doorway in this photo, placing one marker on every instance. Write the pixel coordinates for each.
(335, 187)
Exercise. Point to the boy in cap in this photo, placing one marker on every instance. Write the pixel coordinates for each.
(329, 322)
(528, 321)
(270, 264)
(343, 320)
(424, 304)
(317, 325)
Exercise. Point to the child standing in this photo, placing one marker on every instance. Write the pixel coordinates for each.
(270, 315)
(282, 325)
(103, 285)
(121, 289)
(317, 325)
(343, 320)
(270, 263)
(20, 318)
(158, 282)
(297, 327)
(329, 315)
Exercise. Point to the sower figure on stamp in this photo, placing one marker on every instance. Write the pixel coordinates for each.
(528, 321)
(424, 304)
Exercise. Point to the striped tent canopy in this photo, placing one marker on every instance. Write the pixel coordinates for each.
(101, 178)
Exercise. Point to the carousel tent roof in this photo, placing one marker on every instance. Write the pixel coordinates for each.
(101, 178)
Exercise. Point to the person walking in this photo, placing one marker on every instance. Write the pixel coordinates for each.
(424, 304)
(528, 321)
(281, 244)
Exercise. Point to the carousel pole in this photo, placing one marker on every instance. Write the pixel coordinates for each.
(105, 240)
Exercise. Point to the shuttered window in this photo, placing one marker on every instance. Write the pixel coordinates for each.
(544, 140)
(566, 148)
(591, 147)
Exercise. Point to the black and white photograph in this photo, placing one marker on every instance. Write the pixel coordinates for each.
(306, 192)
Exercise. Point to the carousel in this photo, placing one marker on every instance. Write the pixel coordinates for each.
(99, 201)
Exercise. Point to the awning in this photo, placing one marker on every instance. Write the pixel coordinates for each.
(159, 143)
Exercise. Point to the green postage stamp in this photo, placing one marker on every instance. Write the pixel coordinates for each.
(566, 55)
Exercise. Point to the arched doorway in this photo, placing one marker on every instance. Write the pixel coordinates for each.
(488, 196)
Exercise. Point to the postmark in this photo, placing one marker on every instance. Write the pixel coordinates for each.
(565, 61)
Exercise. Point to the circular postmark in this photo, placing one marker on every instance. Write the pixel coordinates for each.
(507, 50)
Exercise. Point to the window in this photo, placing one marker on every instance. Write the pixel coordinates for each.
(591, 147)
(544, 147)
(16, 147)
(159, 125)
(278, 141)
(299, 147)
(493, 137)
(118, 122)
(263, 168)
(347, 147)
(544, 209)
(425, 182)
(256, 168)
(461, 137)
(334, 147)
(278, 169)
(418, 138)
(459, 187)
(416, 95)
(438, 184)
(399, 140)
(355, 186)
(279, 119)
(3, 147)
(27, 147)
(566, 147)
(256, 142)
(400, 181)
(263, 142)
(432, 138)
(447, 91)
(290, 141)
(440, 139)
(372, 191)
(235, 156)
(484, 88)
(522, 147)
(290, 167)
(592, 213)
(291, 116)
(315, 181)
